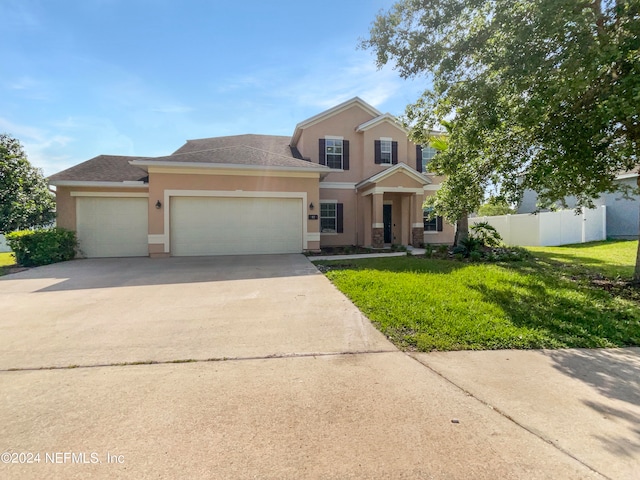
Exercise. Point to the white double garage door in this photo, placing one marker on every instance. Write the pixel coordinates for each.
(118, 227)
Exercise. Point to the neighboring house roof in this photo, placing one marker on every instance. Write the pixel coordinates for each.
(400, 167)
(103, 168)
(386, 118)
(329, 113)
(233, 156)
(270, 143)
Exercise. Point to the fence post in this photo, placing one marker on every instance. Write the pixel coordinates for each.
(604, 222)
(508, 229)
(583, 238)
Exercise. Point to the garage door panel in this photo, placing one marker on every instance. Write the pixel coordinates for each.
(228, 226)
(112, 227)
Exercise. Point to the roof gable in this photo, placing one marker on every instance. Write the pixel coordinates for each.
(355, 101)
(400, 168)
(386, 118)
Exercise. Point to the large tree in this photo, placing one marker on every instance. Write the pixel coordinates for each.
(25, 200)
(545, 92)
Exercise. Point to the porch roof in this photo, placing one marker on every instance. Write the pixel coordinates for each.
(401, 169)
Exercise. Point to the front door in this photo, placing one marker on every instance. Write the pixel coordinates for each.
(386, 219)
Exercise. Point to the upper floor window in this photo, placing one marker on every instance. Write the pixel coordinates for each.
(386, 151)
(427, 155)
(334, 152)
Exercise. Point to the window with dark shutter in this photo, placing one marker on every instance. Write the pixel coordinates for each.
(322, 153)
(394, 152)
(345, 154)
(339, 218)
(378, 151)
(419, 158)
(431, 224)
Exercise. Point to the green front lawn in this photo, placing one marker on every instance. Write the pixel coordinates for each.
(613, 258)
(424, 304)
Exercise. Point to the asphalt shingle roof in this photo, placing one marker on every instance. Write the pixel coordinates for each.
(238, 155)
(259, 150)
(103, 168)
(270, 143)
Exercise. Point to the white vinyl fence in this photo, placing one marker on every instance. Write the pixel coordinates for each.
(3, 245)
(549, 228)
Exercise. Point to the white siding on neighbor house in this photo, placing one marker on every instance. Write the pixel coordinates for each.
(235, 225)
(112, 227)
(549, 228)
(622, 213)
(3, 245)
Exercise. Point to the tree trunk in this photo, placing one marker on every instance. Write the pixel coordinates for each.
(462, 229)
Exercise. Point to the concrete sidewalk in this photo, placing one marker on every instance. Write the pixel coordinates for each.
(257, 367)
(584, 402)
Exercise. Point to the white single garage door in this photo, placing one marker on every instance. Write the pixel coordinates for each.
(112, 227)
(230, 226)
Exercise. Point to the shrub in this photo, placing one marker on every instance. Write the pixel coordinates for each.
(42, 247)
(487, 234)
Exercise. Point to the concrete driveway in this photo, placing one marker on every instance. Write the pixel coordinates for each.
(252, 367)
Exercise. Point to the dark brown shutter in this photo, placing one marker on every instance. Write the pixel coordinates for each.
(339, 218)
(322, 153)
(419, 158)
(345, 154)
(439, 223)
(378, 151)
(394, 152)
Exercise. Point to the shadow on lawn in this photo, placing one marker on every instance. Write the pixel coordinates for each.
(569, 315)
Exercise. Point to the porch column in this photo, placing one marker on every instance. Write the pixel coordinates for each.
(377, 222)
(417, 225)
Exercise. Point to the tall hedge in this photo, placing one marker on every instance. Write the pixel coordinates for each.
(42, 247)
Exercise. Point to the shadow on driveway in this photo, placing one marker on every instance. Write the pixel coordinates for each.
(130, 272)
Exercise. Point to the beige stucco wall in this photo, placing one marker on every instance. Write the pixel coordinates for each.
(66, 204)
(340, 125)
(350, 214)
(248, 181)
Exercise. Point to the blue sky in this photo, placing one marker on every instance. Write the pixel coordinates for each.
(79, 78)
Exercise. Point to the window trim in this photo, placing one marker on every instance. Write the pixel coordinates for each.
(329, 202)
(438, 223)
(424, 149)
(333, 138)
(386, 141)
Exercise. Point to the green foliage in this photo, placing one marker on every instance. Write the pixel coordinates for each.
(33, 248)
(443, 305)
(486, 234)
(495, 206)
(544, 94)
(25, 200)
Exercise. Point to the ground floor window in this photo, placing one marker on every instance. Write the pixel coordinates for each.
(431, 223)
(328, 218)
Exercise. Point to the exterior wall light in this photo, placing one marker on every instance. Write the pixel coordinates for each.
(158, 204)
(311, 207)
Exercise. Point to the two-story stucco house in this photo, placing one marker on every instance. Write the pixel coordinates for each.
(347, 176)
